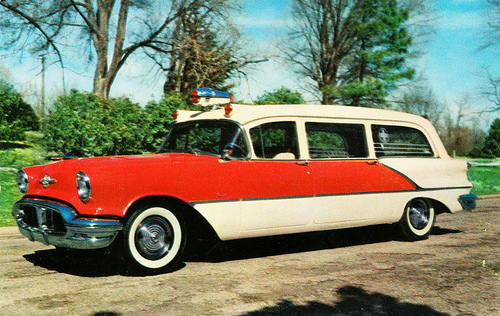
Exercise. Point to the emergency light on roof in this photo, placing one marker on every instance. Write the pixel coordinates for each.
(207, 97)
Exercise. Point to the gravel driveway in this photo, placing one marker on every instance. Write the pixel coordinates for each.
(350, 272)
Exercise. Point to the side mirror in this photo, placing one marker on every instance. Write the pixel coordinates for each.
(226, 154)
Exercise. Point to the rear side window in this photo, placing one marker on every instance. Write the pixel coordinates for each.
(400, 141)
(275, 140)
(332, 140)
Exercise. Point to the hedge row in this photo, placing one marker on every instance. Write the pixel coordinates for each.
(85, 125)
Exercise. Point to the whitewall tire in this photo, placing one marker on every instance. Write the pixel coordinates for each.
(418, 220)
(154, 239)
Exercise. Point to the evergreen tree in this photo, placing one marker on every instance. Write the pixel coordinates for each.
(491, 147)
(354, 50)
(378, 62)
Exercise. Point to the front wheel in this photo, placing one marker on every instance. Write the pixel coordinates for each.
(418, 220)
(154, 239)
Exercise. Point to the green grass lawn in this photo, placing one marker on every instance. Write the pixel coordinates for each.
(8, 196)
(486, 180)
(14, 156)
(17, 155)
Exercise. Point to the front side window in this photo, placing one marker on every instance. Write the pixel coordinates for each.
(277, 140)
(334, 140)
(206, 137)
(400, 141)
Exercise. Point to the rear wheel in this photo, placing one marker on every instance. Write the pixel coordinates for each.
(154, 239)
(418, 220)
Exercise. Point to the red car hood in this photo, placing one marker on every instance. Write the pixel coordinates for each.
(115, 180)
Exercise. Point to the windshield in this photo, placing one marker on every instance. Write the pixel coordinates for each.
(206, 137)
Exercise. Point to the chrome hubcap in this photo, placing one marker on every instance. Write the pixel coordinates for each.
(154, 238)
(419, 214)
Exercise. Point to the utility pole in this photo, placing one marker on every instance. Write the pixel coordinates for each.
(43, 89)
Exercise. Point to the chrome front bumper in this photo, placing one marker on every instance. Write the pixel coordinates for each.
(55, 224)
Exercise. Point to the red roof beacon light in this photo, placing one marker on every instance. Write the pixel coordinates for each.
(207, 97)
(195, 98)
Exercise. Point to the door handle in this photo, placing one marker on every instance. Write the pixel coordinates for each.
(302, 163)
(372, 163)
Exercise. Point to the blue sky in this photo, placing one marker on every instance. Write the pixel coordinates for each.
(453, 64)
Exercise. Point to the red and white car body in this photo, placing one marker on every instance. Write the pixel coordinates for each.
(249, 171)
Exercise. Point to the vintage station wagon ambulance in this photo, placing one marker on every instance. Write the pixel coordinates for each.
(247, 171)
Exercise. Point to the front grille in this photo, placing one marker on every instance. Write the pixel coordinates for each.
(37, 216)
(30, 217)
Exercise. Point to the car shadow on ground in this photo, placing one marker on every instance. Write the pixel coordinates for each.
(107, 262)
(304, 242)
(354, 301)
(85, 263)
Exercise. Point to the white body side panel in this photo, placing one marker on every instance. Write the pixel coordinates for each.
(256, 218)
(430, 173)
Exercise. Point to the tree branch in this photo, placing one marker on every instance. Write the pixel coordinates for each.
(37, 26)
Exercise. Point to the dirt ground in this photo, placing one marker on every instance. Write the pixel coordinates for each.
(364, 271)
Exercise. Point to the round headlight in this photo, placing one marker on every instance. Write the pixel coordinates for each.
(22, 181)
(83, 186)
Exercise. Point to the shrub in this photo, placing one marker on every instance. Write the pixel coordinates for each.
(85, 125)
(10, 132)
(16, 116)
(160, 118)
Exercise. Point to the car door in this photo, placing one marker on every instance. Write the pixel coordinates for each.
(278, 185)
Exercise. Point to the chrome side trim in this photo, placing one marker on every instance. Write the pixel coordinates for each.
(55, 224)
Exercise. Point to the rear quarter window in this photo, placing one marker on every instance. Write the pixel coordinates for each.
(400, 141)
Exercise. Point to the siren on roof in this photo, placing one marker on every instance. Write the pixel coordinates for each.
(210, 97)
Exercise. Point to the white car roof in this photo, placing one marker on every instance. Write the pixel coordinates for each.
(245, 114)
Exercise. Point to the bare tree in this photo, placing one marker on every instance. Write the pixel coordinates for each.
(203, 48)
(111, 37)
(421, 100)
(491, 34)
(492, 93)
(462, 131)
(458, 123)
